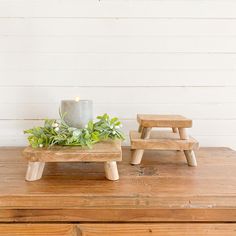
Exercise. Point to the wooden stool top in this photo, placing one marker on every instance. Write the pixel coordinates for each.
(162, 140)
(100, 152)
(172, 121)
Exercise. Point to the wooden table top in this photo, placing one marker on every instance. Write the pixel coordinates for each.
(100, 152)
(162, 189)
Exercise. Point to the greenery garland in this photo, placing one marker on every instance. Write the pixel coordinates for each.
(57, 132)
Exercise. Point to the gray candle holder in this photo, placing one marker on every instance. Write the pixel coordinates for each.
(77, 113)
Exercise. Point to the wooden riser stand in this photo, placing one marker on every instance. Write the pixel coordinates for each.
(108, 152)
(177, 139)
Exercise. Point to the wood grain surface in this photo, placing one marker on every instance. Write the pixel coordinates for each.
(162, 140)
(161, 189)
(101, 152)
(157, 229)
(141, 229)
(38, 230)
(172, 121)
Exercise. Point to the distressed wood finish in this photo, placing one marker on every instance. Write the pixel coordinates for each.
(108, 152)
(173, 121)
(160, 190)
(114, 229)
(38, 230)
(104, 151)
(162, 140)
(157, 229)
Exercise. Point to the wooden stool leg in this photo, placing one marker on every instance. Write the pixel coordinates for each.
(111, 170)
(138, 154)
(183, 133)
(175, 130)
(190, 156)
(140, 129)
(34, 171)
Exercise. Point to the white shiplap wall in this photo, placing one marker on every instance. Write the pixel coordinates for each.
(129, 56)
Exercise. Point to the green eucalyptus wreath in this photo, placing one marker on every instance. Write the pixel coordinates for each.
(57, 132)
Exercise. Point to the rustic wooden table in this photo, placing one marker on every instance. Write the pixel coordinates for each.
(162, 196)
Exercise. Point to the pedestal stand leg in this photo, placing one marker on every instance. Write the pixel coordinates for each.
(175, 130)
(183, 133)
(190, 156)
(140, 129)
(111, 170)
(138, 154)
(34, 171)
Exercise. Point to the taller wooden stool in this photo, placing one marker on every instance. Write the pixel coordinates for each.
(176, 139)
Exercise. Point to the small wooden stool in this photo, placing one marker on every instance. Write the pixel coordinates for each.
(177, 139)
(108, 152)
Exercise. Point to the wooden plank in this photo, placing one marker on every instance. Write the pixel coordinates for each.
(128, 111)
(162, 140)
(101, 152)
(119, 78)
(152, 120)
(117, 61)
(121, 9)
(38, 230)
(113, 44)
(174, 229)
(190, 95)
(161, 189)
(117, 27)
(91, 229)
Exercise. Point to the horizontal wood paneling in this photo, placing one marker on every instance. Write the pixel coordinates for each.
(115, 61)
(114, 44)
(131, 95)
(117, 27)
(118, 78)
(124, 110)
(129, 56)
(127, 9)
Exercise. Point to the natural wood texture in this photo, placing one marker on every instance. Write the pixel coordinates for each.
(162, 140)
(34, 171)
(158, 229)
(183, 134)
(175, 130)
(108, 152)
(38, 230)
(159, 190)
(103, 151)
(178, 121)
(138, 153)
(190, 157)
(137, 156)
(116, 229)
(111, 170)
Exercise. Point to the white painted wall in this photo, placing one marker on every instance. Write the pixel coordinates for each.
(129, 56)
